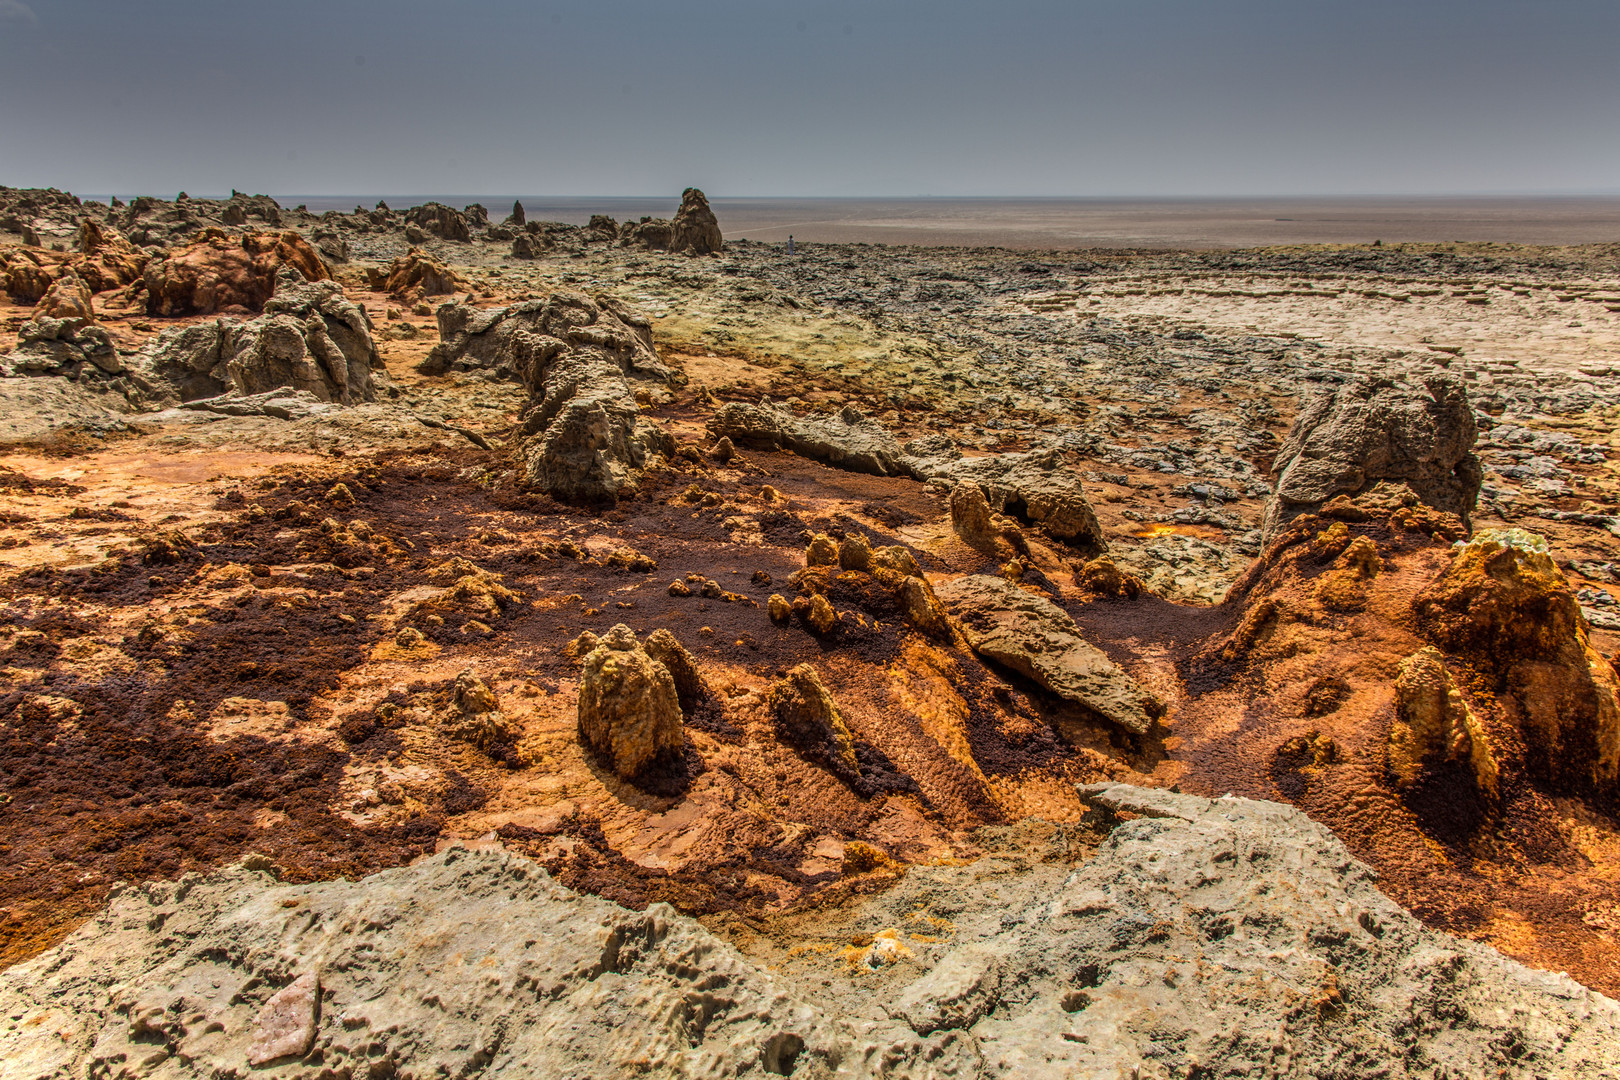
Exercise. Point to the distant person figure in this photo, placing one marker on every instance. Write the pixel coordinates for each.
(790, 243)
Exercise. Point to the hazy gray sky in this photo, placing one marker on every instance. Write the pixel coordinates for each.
(882, 97)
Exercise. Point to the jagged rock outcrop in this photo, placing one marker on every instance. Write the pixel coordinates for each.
(1034, 637)
(68, 299)
(440, 220)
(970, 513)
(629, 708)
(1435, 726)
(1204, 931)
(224, 273)
(666, 649)
(416, 274)
(517, 219)
(1505, 608)
(311, 338)
(106, 259)
(47, 346)
(582, 438)
(658, 234)
(695, 227)
(1348, 438)
(1036, 486)
(806, 717)
(883, 582)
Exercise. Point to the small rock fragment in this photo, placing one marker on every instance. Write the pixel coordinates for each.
(821, 617)
(285, 1027)
(822, 551)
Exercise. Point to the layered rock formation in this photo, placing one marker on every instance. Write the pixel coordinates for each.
(439, 220)
(1362, 431)
(311, 338)
(1204, 932)
(1037, 486)
(414, 275)
(1031, 635)
(224, 273)
(582, 437)
(695, 227)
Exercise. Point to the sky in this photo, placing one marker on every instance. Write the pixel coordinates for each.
(758, 98)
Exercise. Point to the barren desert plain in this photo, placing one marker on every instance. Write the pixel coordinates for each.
(438, 640)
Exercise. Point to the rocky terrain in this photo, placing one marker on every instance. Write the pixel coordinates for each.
(799, 593)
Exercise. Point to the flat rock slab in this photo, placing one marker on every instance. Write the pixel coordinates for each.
(1206, 932)
(1034, 637)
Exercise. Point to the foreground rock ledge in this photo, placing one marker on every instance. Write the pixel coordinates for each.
(1220, 937)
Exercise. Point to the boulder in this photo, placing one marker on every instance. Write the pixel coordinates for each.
(657, 234)
(1434, 726)
(1505, 608)
(666, 649)
(695, 227)
(311, 338)
(582, 437)
(439, 220)
(629, 708)
(517, 219)
(28, 274)
(1034, 637)
(219, 272)
(1349, 437)
(416, 274)
(847, 439)
(47, 346)
(1037, 486)
(807, 718)
(67, 299)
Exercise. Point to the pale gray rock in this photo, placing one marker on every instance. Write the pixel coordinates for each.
(311, 339)
(1221, 937)
(1038, 486)
(49, 346)
(847, 439)
(582, 437)
(1034, 637)
(1352, 435)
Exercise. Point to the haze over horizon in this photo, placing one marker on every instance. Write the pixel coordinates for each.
(1110, 98)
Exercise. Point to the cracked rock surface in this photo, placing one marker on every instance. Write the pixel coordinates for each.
(1227, 935)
